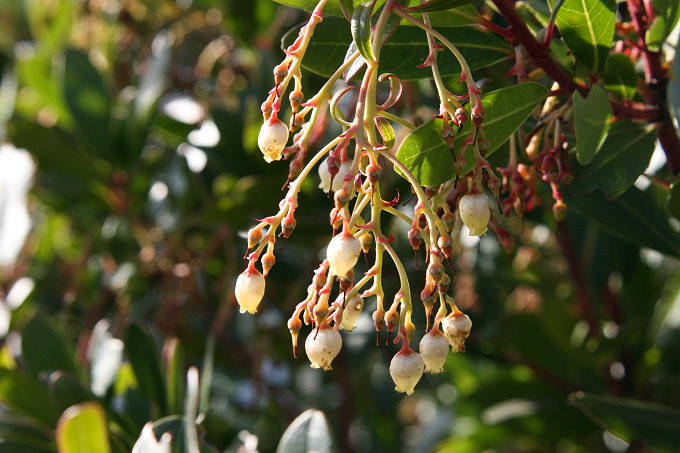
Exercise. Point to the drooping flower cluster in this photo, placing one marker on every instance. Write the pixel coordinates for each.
(350, 167)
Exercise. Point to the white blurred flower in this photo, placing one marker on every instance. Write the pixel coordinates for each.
(16, 173)
(147, 442)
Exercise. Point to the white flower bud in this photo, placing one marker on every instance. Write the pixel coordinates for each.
(406, 369)
(338, 180)
(342, 253)
(434, 349)
(352, 311)
(272, 139)
(457, 328)
(249, 290)
(322, 346)
(475, 212)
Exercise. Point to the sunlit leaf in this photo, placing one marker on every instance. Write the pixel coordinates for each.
(308, 432)
(82, 429)
(587, 26)
(361, 29)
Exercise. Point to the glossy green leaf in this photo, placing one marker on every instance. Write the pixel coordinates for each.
(360, 28)
(82, 429)
(623, 157)
(44, 349)
(439, 5)
(425, 154)
(506, 110)
(27, 396)
(667, 16)
(332, 8)
(144, 358)
(308, 432)
(655, 425)
(592, 117)
(87, 99)
(633, 216)
(673, 200)
(587, 26)
(620, 77)
(406, 49)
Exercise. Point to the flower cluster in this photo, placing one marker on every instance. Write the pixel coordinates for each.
(350, 167)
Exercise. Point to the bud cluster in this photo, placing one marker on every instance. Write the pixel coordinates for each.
(351, 166)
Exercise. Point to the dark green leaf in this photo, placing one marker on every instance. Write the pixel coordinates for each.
(667, 15)
(361, 29)
(347, 7)
(656, 425)
(425, 154)
(82, 429)
(623, 157)
(593, 118)
(308, 432)
(634, 217)
(26, 395)
(87, 100)
(587, 26)
(673, 200)
(173, 355)
(10, 446)
(144, 358)
(620, 78)
(44, 349)
(462, 16)
(66, 391)
(674, 89)
(406, 49)
(17, 429)
(439, 5)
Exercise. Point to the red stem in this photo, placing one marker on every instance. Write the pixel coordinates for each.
(656, 78)
(537, 51)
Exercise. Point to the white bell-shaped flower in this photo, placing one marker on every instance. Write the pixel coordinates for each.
(342, 253)
(406, 369)
(249, 290)
(272, 139)
(322, 346)
(475, 212)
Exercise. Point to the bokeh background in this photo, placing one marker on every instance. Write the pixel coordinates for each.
(129, 172)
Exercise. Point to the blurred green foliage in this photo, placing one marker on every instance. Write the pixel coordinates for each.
(142, 117)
